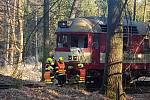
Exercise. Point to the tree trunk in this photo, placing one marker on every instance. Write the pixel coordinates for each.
(45, 35)
(20, 22)
(19, 48)
(114, 80)
(36, 37)
(144, 11)
(114, 54)
(134, 10)
(6, 23)
(74, 9)
(12, 36)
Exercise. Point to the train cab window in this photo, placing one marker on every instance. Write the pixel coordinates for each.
(85, 41)
(79, 41)
(95, 41)
(66, 41)
(62, 40)
(146, 45)
(125, 42)
(74, 41)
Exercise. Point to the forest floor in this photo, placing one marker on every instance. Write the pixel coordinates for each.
(15, 89)
(31, 89)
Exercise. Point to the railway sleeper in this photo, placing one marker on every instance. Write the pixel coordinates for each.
(8, 86)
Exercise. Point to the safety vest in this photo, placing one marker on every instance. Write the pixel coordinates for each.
(47, 77)
(82, 75)
(47, 73)
(61, 67)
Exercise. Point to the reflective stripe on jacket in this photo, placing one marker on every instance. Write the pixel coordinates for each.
(49, 68)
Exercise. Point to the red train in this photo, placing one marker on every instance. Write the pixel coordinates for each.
(83, 40)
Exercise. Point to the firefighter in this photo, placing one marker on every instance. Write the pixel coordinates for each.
(51, 62)
(81, 73)
(48, 74)
(61, 76)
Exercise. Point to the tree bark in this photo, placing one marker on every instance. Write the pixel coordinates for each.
(114, 54)
(19, 47)
(114, 80)
(45, 35)
(74, 9)
(6, 31)
(20, 23)
(12, 36)
(144, 11)
(134, 10)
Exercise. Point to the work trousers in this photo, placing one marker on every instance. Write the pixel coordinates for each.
(61, 79)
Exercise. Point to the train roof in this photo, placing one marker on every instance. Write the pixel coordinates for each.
(95, 24)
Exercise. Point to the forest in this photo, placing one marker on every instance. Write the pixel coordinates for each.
(28, 36)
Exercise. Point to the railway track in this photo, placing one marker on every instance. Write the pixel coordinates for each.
(29, 85)
(7, 86)
(139, 87)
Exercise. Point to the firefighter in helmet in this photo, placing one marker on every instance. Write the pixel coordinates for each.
(61, 76)
(81, 73)
(48, 74)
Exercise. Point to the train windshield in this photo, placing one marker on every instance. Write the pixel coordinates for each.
(67, 41)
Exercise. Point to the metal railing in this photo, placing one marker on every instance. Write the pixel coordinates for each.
(136, 58)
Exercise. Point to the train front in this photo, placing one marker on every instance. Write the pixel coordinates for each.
(74, 43)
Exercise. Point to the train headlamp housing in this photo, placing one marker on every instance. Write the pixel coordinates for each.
(146, 37)
(64, 24)
(69, 57)
(139, 55)
(75, 57)
(70, 67)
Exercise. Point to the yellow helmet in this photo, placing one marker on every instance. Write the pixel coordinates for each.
(50, 53)
(61, 58)
(80, 65)
(49, 59)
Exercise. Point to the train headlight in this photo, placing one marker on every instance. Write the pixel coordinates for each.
(146, 37)
(70, 67)
(69, 57)
(64, 24)
(75, 57)
(139, 55)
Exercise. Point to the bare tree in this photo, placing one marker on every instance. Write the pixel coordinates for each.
(74, 9)
(45, 34)
(12, 32)
(18, 41)
(20, 23)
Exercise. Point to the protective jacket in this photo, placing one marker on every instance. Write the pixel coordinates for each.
(82, 75)
(48, 73)
(61, 67)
